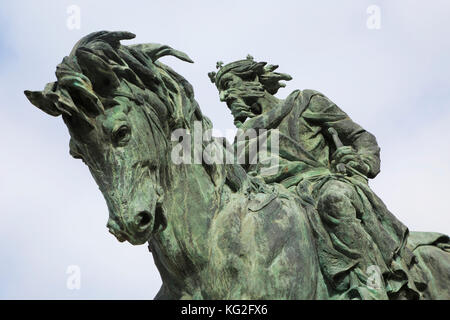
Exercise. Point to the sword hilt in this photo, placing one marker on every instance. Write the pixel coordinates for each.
(341, 168)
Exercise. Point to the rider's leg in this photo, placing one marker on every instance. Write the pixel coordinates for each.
(339, 207)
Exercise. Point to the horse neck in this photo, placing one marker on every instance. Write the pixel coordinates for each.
(192, 198)
(181, 251)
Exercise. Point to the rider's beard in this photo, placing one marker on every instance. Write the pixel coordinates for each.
(240, 112)
(245, 105)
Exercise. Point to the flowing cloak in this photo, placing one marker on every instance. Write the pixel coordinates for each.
(304, 165)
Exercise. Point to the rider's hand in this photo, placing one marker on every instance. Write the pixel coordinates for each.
(348, 156)
(344, 155)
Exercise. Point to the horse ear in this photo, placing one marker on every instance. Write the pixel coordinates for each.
(42, 101)
(57, 101)
(156, 51)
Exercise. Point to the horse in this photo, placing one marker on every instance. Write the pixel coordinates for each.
(215, 232)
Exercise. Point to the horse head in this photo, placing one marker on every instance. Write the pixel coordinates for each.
(120, 105)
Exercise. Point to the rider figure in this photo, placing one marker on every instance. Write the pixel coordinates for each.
(326, 158)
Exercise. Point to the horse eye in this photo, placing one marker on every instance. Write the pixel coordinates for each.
(122, 135)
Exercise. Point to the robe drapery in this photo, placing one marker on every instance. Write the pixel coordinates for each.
(305, 167)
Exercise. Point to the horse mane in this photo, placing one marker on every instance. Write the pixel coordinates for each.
(100, 68)
(92, 75)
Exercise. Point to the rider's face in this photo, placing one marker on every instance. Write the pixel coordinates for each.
(229, 83)
(240, 96)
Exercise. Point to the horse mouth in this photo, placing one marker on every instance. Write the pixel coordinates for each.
(120, 236)
(140, 237)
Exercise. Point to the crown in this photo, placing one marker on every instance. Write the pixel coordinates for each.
(222, 69)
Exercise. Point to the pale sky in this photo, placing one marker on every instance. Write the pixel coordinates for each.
(394, 81)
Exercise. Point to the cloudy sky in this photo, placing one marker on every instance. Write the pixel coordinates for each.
(394, 81)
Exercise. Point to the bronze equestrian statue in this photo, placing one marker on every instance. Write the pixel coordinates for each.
(312, 229)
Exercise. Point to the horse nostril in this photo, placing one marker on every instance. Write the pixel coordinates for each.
(143, 220)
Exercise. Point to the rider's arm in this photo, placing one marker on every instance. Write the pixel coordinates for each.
(328, 114)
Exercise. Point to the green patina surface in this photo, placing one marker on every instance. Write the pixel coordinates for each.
(311, 230)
